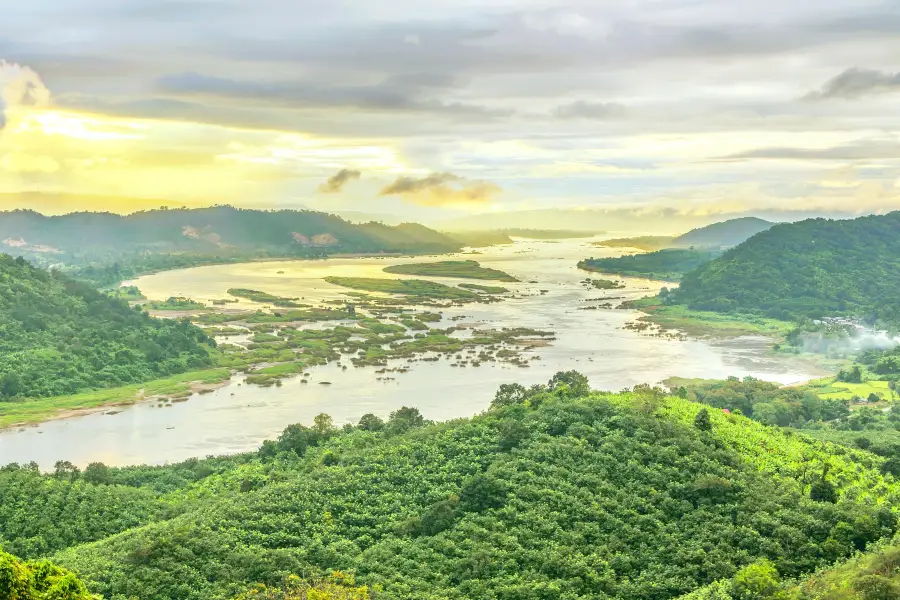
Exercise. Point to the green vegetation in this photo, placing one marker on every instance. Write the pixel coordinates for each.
(487, 289)
(649, 243)
(463, 269)
(605, 284)
(176, 303)
(874, 575)
(813, 268)
(768, 403)
(554, 492)
(415, 288)
(128, 293)
(666, 265)
(263, 297)
(40, 580)
(703, 323)
(41, 409)
(63, 337)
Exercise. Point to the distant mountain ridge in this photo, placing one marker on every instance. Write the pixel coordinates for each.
(722, 235)
(813, 268)
(215, 229)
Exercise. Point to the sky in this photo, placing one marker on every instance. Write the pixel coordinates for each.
(444, 108)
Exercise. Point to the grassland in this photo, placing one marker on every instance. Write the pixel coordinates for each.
(706, 323)
(831, 389)
(264, 297)
(418, 288)
(462, 269)
(485, 289)
(43, 409)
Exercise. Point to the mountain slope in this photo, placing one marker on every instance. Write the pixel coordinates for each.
(58, 336)
(722, 235)
(813, 268)
(220, 229)
(551, 494)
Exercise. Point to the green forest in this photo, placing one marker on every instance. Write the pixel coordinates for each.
(813, 268)
(665, 265)
(555, 492)
(59, 336)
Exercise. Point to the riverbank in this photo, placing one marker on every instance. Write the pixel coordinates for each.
(706, 323)
(40, 410)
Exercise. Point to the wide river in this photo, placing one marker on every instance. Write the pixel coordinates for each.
(238, 417)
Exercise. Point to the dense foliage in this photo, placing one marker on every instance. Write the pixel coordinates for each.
(40, 580)
(58, 336)
(552, 493)
(668, 265)
(813, 268)
(768, 403)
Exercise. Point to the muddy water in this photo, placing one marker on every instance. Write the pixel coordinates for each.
(238, 417)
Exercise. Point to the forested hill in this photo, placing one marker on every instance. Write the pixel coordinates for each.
(59, 336)
(722, 235)
(813, 268)
(555, 492)
(219, 229)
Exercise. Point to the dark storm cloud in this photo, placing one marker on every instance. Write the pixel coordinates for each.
(856, 82)
(337, 181)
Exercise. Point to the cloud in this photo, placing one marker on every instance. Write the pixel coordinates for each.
(855, 83)
(590, 110)
(337, 181)
(20, 86)
(442, 189)
(865, 150)
(393, 94)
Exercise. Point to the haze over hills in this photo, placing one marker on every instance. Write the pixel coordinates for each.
(220, 229)
(724, 234)
(812, 268)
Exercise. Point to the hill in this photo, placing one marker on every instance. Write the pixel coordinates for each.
(813, 268)
(722, 235)
(214, 234)
(60, 336)
(555, 492)
(38, 581)
(667, 265)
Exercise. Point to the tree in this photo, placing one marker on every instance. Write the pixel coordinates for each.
(96, 473)
(482, 492)
(758, 581)
(323, 424)
(403, 419)
(370, 422)
(64, 469)
(701, 421)
(823, 491)
(509, 394)
(571, 383)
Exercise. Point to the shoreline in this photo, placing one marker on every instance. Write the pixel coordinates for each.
(44, 410)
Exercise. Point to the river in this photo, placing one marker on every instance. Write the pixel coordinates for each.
(238, 417)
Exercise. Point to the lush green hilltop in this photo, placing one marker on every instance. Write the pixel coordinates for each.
(59, 336)
(553, 493)
(813, 268)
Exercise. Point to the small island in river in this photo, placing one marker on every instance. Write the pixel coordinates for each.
(463, 269)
